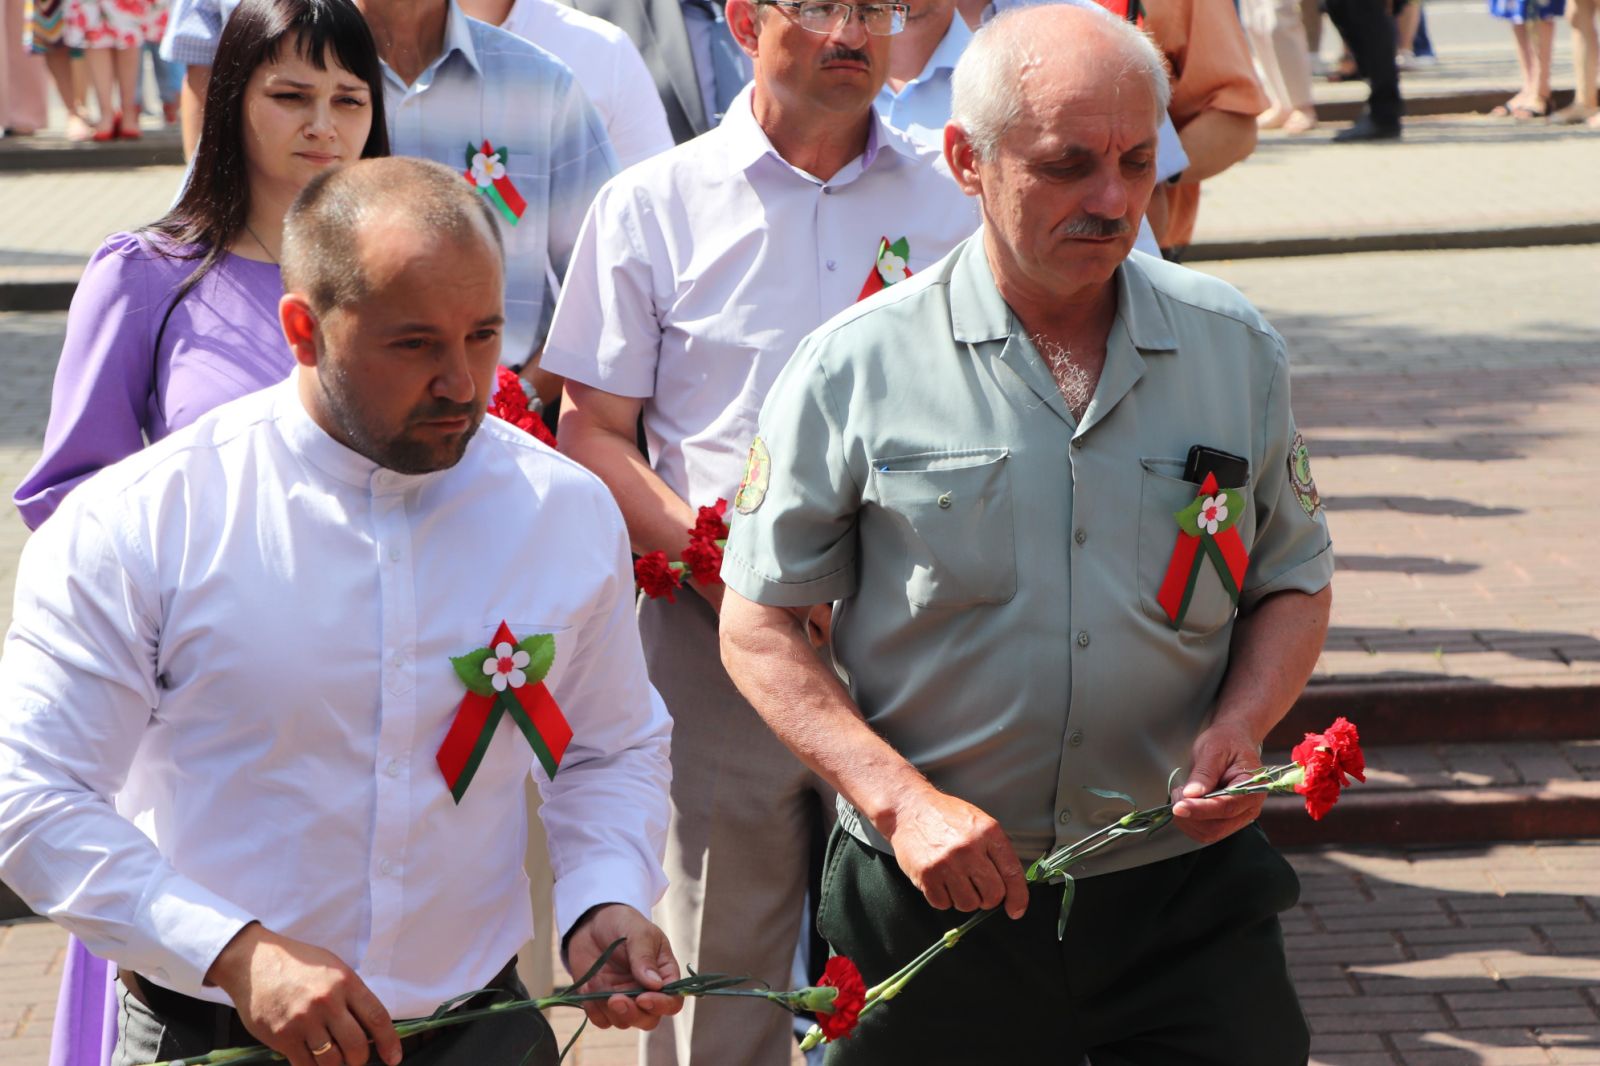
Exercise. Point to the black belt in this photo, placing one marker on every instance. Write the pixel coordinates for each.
(228, 1030)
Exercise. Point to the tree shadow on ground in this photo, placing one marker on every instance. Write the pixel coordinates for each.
(1419, 505)
(1541, 645)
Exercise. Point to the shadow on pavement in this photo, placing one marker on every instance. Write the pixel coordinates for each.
(1459, 955)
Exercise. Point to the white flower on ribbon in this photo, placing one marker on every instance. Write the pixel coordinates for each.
(1213, 511)
(487, 169)
(891, 268)
(506, 667)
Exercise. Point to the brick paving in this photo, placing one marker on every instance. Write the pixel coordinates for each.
(1448, 398)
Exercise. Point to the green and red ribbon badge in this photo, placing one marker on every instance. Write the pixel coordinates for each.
(888, 267)
(505, 678)
(1209, 523)
(486, 170)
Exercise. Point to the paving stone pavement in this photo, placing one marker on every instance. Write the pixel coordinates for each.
(1449, 399)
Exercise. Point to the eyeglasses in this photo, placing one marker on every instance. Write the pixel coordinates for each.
(826, 16)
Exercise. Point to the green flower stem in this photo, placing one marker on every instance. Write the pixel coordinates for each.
(1266, 779)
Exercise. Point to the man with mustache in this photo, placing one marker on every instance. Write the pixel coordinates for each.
(695, 276)
(987, 471)
(247, 635)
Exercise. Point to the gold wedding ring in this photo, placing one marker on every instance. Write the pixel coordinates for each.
(322, 1049)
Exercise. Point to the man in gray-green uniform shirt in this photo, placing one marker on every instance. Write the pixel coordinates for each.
(983, 467)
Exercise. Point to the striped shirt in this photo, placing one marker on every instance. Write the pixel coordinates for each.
(485, 85)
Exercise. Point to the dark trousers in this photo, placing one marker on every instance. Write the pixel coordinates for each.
(1179, 961)
(1368, 30)
(172, 1026)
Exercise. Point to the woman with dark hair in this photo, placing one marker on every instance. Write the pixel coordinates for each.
(181, 316)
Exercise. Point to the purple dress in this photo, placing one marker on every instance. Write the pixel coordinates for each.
(115, 392)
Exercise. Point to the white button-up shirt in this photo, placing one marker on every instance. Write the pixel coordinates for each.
(243, 633)
(699, 271)
(608, 67)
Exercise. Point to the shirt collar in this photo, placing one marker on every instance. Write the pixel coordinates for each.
(954, 42)
(979, 313)
(314, 444)
(458, 38)
(750, 143)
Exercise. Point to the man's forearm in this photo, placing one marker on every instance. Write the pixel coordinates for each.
(769, 658)
(658, 518)
(1215, 141)
(1274, 650)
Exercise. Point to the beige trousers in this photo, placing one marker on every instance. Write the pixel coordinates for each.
(22, 76)
(1278, 38)
(743, 810)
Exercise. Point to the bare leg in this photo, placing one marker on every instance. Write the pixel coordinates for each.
(1541, 41)
(1405, 27)
(128, 63)
(1585, 59)
(101, 78)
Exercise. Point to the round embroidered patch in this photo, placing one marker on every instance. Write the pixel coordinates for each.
(757, 471)
(1305, 489)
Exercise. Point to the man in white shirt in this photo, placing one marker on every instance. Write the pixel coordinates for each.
(696, 275)
(245, 635)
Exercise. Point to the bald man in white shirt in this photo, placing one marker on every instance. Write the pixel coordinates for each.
(228, 700)
(696, 275)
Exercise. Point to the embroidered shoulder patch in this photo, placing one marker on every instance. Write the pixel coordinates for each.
(1305, 489)
(757, 471)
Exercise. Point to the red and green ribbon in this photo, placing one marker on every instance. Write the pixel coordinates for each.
(529, 704)
(499, 191)
(1223, 546)
(882, 264)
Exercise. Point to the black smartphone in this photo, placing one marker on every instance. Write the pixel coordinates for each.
(1232, 471)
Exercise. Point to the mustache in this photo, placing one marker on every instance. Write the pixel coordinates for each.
(1095, 226)
(854, 55)
(443, 409)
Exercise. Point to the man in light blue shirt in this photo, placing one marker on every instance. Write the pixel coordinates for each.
(916, 98)
(451, 85)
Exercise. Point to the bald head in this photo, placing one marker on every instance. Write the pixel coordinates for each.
(1036, 56)
(337, 212)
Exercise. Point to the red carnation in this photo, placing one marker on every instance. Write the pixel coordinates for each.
(711, 523)
(842, 974)
(511, 404)
(656, 576)
(1345, 742)
(1322, 782)
(704, 559)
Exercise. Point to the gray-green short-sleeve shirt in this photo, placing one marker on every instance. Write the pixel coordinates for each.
(996, 564)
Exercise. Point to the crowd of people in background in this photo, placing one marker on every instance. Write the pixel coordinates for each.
(94, 53)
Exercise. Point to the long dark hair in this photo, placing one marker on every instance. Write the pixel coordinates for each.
(216, 201)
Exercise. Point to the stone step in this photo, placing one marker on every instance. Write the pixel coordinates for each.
(1454, 793)
(1440, 712)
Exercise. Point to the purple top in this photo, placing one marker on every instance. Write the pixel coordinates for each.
(114, 392)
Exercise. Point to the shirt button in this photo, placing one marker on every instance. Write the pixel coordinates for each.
(394, 555)
(1081, 535)
(1065, 817)
(393, 768)
(832, 265)
(827, 190)
(1083, 638)
(1077, 442)
(1076, 740)
(386, 868)
(944, 501)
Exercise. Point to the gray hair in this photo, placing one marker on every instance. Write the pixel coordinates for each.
(321, 255)
(985, 102)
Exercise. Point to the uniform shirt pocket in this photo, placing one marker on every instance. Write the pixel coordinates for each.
(1162, 495)
(950, 525)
